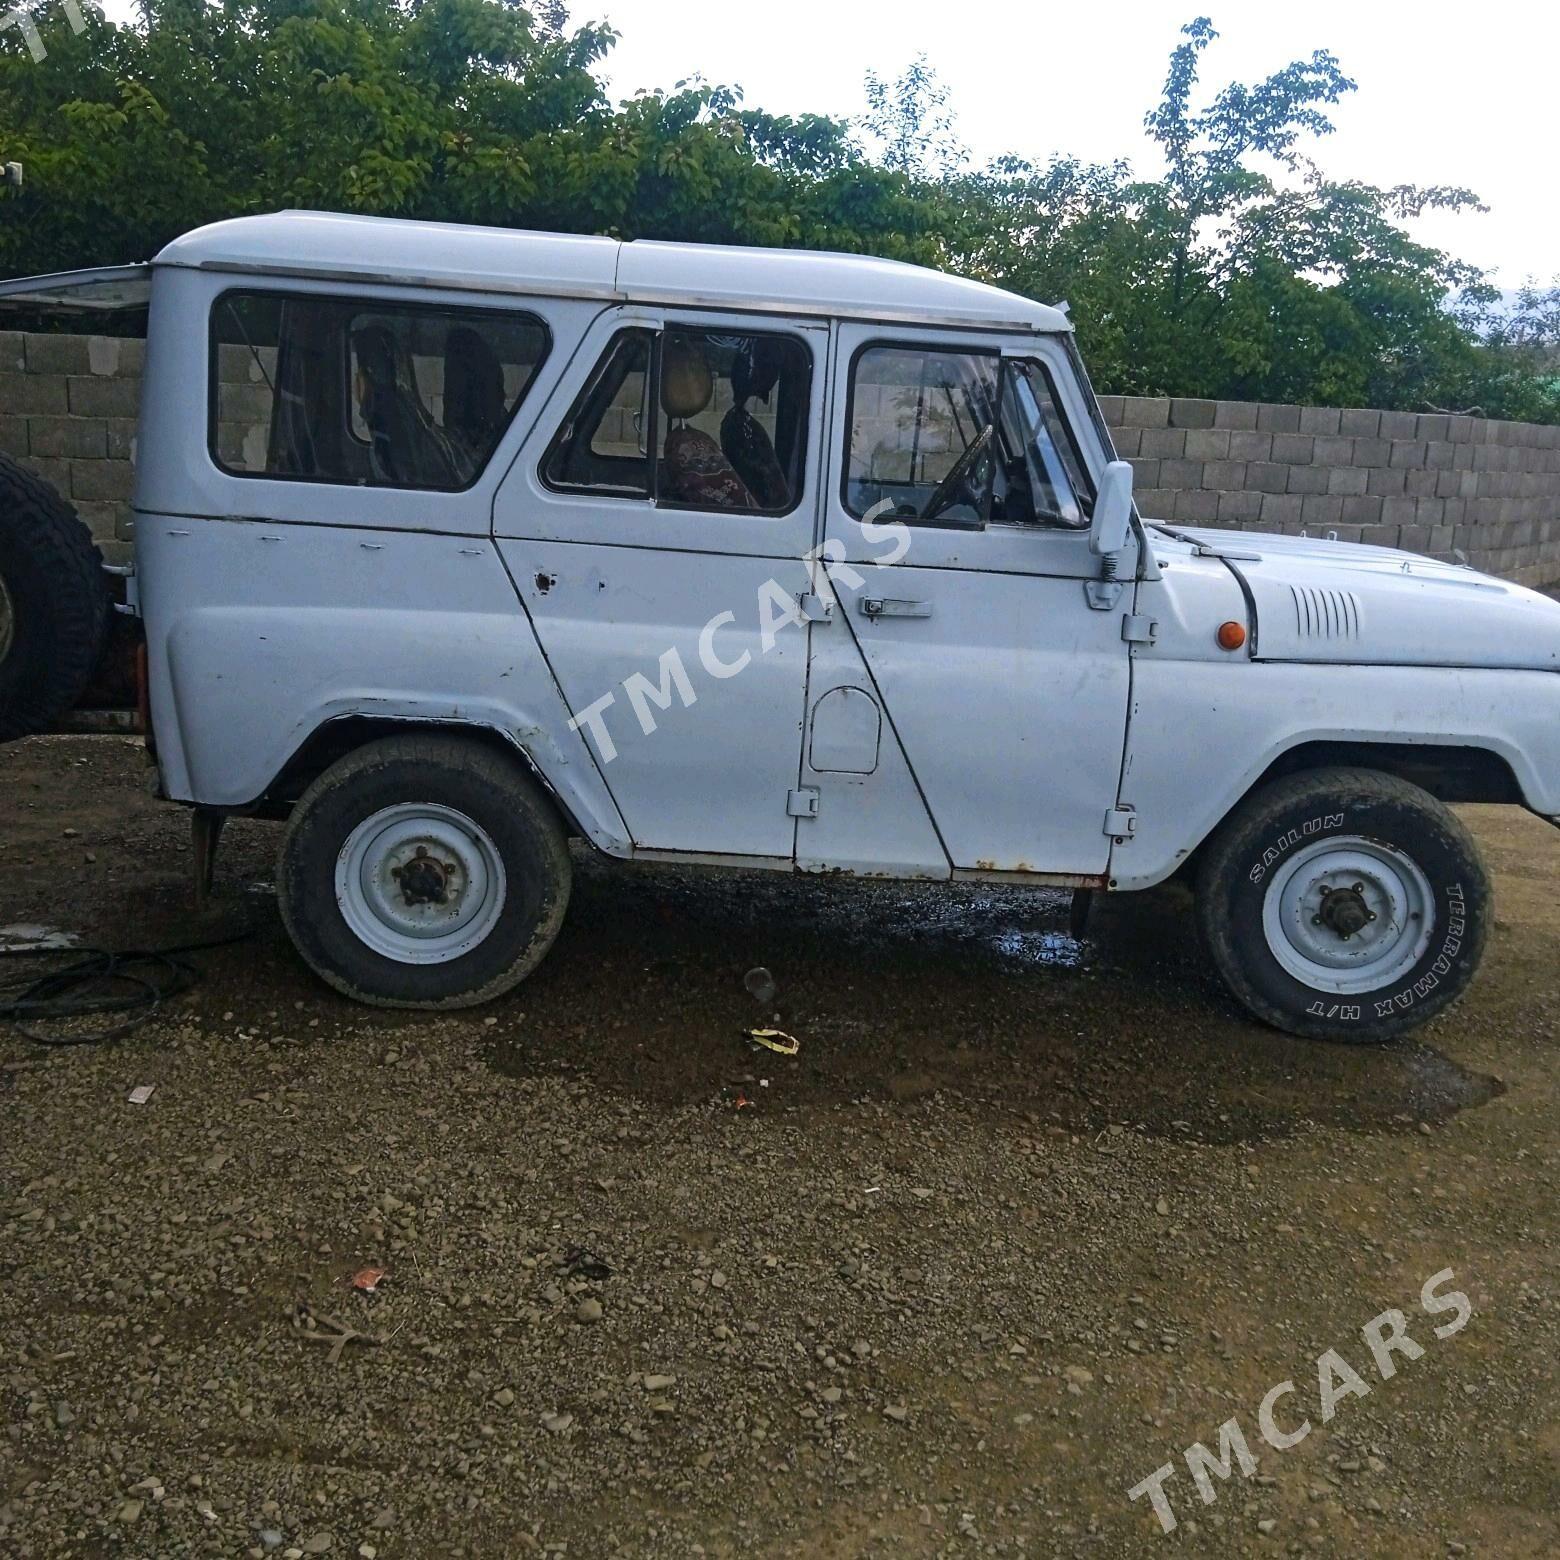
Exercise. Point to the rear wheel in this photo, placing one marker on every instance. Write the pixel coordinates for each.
(425, 872)
(53, 603)
(1344, 905)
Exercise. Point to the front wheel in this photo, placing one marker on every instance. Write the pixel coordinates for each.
(1344, 904)
(424, 872)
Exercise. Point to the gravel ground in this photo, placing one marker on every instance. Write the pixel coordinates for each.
(1023, 1219)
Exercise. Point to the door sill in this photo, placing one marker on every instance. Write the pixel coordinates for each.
(1041, 879)
(695, 858)
(700, 858)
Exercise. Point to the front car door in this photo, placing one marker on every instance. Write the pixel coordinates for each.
(1006, 690)
(655, 525)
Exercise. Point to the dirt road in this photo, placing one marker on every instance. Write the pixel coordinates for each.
(1024, 1219)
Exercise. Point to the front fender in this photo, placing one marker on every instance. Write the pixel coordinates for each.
(1200, 735)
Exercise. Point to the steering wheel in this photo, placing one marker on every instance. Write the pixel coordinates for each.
(947, 490)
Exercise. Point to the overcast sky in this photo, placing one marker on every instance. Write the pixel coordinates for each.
(1465, 94)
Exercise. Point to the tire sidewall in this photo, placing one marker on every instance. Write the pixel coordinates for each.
(23, 664)
(1459, 892)
(535, 891)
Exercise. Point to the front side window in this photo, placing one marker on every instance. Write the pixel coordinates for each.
(691, 419)
(348, 390)
(961, 438)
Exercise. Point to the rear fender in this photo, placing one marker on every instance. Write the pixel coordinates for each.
(261, 635)
(236, 738)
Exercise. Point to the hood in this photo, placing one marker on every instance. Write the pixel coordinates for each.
(1377, 606)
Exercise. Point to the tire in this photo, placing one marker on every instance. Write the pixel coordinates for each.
(424, 872)
(1344, 904)
(53, 603)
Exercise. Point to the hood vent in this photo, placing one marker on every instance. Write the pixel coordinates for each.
(1325, 614)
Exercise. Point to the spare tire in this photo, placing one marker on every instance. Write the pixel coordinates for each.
(54, 603)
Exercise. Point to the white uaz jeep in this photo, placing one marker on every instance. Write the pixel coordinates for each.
(453, 543)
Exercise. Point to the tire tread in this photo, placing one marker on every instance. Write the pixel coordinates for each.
(37, 523)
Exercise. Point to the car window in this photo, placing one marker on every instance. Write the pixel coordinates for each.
(603, 445)
(373, 394)
(960, 438)
(690, 419)
(1051, 485)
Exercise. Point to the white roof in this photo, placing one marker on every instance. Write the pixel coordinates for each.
(509, 260)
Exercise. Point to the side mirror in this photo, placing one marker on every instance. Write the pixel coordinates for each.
(1112, 523)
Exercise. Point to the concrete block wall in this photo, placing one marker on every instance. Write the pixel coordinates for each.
(68, 409)
(1428, 482)
(1487, 492)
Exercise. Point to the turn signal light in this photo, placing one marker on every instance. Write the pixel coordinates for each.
(1231, 636)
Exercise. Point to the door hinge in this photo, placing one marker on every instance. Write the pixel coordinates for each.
(815, 608)
(1139, 630)
(802, 803)
(1120, 822)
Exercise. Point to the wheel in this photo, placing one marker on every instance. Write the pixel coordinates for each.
(1344, 904)
(424, 872)
(53, 603)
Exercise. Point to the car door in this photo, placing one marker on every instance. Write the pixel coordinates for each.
(655, 526)
(964, 469)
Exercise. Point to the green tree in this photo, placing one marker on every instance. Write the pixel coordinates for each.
(1242, 271)
(466, 110)
(911, 125)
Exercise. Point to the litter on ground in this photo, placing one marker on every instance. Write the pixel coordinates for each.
(776, 1040)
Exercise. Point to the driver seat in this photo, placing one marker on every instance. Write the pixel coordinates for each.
(743, 437)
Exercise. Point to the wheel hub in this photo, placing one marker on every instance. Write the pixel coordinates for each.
(425, 879)
(1344, 910)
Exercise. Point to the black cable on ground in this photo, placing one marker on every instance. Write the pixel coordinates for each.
(135, 982)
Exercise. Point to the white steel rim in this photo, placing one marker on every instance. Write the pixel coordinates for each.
(420, 883)
(1349, 915)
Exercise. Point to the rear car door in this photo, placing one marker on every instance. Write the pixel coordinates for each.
(655, 526)
(966, 467)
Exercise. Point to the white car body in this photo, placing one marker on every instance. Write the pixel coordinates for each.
(451, 543)
(1016, 729)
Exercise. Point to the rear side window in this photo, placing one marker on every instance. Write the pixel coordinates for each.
(352, 390)
(705, 420)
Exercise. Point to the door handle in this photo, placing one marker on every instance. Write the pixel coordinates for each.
(890, 606)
